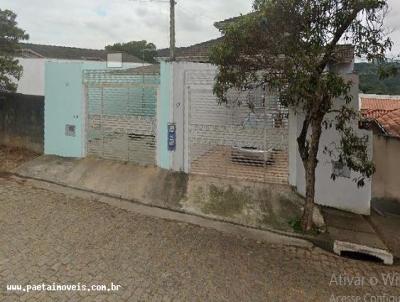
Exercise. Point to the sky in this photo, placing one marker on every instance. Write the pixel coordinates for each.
(96, 23)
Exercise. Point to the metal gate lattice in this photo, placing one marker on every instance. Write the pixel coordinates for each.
(121, 115)
(247, 138)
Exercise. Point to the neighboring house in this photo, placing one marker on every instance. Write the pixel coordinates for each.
(195, 53)
(381, 114)
(33, 58)
(27, 117)
(215, 140)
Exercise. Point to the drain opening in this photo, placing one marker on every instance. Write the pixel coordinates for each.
(361, 256)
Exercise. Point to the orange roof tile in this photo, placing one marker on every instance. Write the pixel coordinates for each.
(390, 122)
(372, 114)
(385, 111)
(368, 103)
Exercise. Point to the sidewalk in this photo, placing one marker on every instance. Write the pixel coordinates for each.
(353, 234)
(160, 193)
(256, 205)
(386, 221)
(163, 194)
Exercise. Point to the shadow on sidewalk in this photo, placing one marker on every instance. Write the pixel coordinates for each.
(385, 218)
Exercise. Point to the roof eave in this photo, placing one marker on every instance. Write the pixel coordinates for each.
(198, 59)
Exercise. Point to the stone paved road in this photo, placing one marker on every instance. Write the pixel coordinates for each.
(48, 237)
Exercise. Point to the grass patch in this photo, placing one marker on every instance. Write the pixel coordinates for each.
(295, 223)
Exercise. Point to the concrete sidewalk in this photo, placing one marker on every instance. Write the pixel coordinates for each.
(187, 197)
(258, 205)
(352, 233)
(385, 218)
(148, 185)
(164, 194)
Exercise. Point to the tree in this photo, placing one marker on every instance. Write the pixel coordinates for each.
(291, 45)
(10, 35)
(141, 49)
(372, 82)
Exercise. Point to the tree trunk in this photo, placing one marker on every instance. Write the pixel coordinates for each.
(310, 165)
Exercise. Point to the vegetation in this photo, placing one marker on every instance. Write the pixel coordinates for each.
(10, 35)
(370, 82)
(291, 45)
(141, 49)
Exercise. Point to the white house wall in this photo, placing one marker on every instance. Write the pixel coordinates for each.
(293, 134)
(32, 81)
(179, 114)
(343, 192)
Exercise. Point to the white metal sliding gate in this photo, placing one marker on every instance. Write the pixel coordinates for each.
(121, 113)
(247, 138)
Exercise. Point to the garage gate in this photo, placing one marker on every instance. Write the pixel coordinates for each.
(121, 115)
(245, 139)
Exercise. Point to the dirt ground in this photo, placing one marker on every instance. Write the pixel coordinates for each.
(11, 157)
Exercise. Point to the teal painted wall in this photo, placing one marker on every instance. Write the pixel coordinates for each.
(164, 115)
(65, 103)
(63, 106)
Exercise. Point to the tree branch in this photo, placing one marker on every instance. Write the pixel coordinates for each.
(336, 38)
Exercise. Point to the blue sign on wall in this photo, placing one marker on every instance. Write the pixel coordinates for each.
(171, 136)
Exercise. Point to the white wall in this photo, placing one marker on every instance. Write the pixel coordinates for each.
(293, 153)
(180, 112)
(33, 78)
(343, 68)
(343, 192)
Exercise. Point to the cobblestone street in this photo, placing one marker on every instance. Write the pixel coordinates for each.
(48, 237)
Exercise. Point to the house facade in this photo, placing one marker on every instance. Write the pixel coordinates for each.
(214, 139)
(381, 115)
(169, 117)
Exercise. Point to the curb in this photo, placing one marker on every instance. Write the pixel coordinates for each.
(264, 235)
